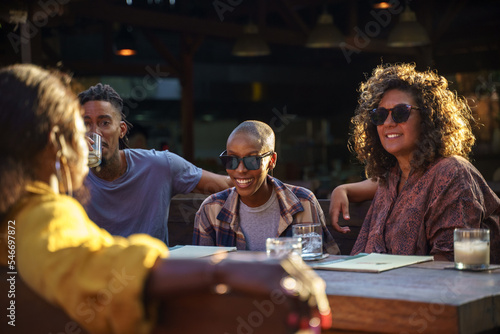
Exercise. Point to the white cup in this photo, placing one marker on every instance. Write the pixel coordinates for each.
(95, 156)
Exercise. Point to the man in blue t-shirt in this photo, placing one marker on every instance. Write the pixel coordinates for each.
(131, 189)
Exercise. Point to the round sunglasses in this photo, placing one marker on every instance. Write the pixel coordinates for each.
(399, 113)
(252, 162)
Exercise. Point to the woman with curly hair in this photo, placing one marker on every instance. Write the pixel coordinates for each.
(414, 136)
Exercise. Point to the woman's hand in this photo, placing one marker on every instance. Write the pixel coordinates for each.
(349, 192)
(339, 203)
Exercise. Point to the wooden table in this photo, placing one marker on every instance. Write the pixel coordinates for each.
(423, 298)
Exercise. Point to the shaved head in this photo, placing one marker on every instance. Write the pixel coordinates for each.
(262, 133)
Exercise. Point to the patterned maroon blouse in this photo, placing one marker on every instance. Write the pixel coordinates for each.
(421, 219)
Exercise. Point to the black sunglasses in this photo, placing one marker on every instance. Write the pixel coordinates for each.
(251, 162)
(400, 113)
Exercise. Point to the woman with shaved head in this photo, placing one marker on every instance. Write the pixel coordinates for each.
(259, 206)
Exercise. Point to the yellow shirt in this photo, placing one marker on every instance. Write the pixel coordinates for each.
(96, 278)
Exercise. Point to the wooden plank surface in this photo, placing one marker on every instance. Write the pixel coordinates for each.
(421, 298)
(367, 315)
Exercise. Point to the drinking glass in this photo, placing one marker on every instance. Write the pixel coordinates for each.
(95, 155)
(471, 248)
(312, 240)
(284, 246)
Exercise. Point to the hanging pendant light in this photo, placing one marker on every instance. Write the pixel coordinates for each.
(378, 4)
(125, 43)
(250, 44)
(408, 32)
(325, 34)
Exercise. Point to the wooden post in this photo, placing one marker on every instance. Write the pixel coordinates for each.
(187, 99)
(24, 33)
(189, 46)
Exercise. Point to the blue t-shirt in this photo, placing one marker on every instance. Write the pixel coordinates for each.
(139, 200)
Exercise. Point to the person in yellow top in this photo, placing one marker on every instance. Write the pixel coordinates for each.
(63, 256)
(108, 284)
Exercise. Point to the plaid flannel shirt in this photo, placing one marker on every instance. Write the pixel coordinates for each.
(217, 221)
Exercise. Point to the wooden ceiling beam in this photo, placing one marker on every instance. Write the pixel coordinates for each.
(247, 9)
(91, 68)
(156, 20)
(299, 4)
(170, 22)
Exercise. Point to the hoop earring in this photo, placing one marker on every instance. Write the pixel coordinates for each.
(62, 168)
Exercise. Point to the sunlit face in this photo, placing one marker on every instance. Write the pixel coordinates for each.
(251, 185)
(399, 139)
(102, 118)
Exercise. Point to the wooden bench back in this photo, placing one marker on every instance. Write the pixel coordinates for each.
(357, 212)
(183, 211)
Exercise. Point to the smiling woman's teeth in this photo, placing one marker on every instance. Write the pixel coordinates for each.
(393, 135)
(243, 181)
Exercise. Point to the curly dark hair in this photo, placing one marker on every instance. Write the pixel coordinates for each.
(446, 119)
(106, 93)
